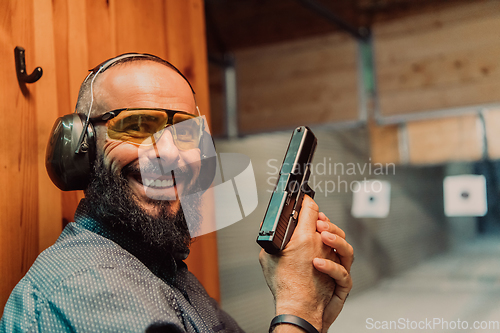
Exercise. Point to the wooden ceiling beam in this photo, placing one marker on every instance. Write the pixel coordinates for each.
(250, 23)
(360, 33)
(234, 25)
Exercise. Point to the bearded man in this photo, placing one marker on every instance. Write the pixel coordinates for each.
(119, 267)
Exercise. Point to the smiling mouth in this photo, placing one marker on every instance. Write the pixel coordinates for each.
(157, 183)
(154, 181)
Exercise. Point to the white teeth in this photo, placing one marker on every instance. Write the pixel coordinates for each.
(158, 183)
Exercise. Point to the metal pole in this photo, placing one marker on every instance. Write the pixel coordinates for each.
(230, 87)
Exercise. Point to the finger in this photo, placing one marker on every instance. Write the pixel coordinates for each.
(338, 273)
(308, 216)
(322, 225)
(333, 256)
(343, 249)
(323, 217)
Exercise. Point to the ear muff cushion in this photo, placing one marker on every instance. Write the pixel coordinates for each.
(69, 171)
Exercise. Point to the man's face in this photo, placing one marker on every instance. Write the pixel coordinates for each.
(147, 84)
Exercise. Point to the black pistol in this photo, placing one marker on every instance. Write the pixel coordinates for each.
(293, 183)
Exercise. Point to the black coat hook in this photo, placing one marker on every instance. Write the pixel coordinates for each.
(22, 76)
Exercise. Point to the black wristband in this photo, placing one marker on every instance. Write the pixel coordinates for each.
(294, 320)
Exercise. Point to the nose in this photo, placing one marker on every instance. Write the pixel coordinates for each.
(164, 148)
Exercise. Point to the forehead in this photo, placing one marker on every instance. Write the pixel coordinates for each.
(143, 84)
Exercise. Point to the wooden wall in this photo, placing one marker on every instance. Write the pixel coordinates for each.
(217, 99)
(18, 147)
(438, 60)
(66, 38)
(441, 57)
(492, 126)
(297, 83)
(437, 141)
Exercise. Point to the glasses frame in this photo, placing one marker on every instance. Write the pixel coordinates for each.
(104, 118)
(114, 113)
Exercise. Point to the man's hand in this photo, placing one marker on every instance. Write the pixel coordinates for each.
(339, 270)
(310, 277)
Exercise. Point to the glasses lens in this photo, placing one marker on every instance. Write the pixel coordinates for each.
(136, 125)
(139, 125)
(187, 131)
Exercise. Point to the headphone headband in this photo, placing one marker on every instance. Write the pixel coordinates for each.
(103, 66)
(107, 63)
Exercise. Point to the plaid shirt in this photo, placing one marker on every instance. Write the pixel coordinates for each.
(94, 279)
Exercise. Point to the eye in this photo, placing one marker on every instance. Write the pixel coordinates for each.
(183, 132)
(134, 127)
(139, 124)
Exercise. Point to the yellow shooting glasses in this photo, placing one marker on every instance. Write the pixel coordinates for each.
(137, 125)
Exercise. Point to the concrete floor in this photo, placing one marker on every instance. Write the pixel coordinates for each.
(448, 293)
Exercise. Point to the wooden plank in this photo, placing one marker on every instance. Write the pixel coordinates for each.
(272, 105)
(61, 44)
(217, 100)
(246, 24)
(329, 53)
(186, 49)
(384, 143)
(186, 46)
(421, 66)
(432, 17)
(140, 27)
(60, 17)
(444, 140)
(50, 210)
(433, 34)
(465, 66)
(71, 52)
(299, 83)
(468, 94)
(77, 47)
(492, 124)
(101, 31)
(18, 161)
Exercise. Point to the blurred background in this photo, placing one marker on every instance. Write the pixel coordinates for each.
(405, 93)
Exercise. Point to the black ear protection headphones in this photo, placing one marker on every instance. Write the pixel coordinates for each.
(71, 150)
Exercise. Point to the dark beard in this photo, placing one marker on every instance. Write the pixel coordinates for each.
(111, 201)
